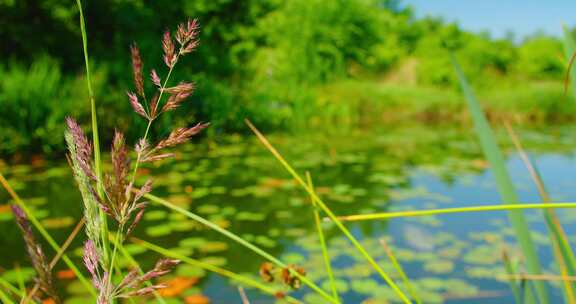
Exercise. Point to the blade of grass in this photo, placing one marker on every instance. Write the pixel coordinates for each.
(240, 241)
(413, 213)
(503, 181)
(95, 137)
(322, 241)
(46, 235)
(400, 271)
(21, 284)
(11, 287)
(57, 257)
(329, 212)
(538, 277)
(247, 281)
(511, 271)
(243, 295)
(570, 54)
(561, 247)
(5, 298)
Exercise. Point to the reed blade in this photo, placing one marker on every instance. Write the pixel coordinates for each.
(330, 214)
(503, 181)
(47, 235)
(95, 136)
(483, 208)
(5, 298)
(241, 279)
(560, 245)
(240, 241)
(511, 271)
(400, 271)
(320, 232)
(570, 54)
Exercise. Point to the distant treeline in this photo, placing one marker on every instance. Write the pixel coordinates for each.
(263, 59)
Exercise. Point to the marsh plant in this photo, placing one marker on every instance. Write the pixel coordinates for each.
(115, 193)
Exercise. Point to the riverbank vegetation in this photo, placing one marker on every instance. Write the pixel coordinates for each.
(285, 65)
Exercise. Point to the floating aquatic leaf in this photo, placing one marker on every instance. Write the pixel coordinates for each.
(190, 271)
(214, 246)
(216, 261)
(160, 230)
(193, 242)
(439, 266)
(155, 215)
(250, 216)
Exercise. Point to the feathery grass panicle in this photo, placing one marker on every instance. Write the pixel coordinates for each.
(136, 105)
(117, 199)
(36, 254)
(80, 160)
(137, 70)
(132, 285)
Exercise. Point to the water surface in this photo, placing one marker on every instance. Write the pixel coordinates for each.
(235, 182)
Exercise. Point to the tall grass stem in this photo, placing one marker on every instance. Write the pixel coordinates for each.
(242, 242)
(46, 235)
(325, 254)
(330, 214)
(503, 181)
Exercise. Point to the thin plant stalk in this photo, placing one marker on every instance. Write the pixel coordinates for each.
(247, 281)
(20, 279)
(56, 258)
(46, 235)
(560, 245)
(400, 271)
(135, 171)
(95, 136)
(510, 270)
(414, 213)
(318, 222)
(5, 298)
(243, 295)
(11, 287)
(330, 214)
(240, 241)
(503, 181)
(570, 54)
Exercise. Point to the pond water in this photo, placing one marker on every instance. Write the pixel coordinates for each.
(235, 182)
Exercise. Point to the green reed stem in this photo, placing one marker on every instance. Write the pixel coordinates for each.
(510, 270)
(11, 287)
(151, 119)
(243, 280)
(329, 212)
(95, 136)
(560, 246)
(240, 241)
(5, 298)
(117, 240)
(413, 213)
(400, 271)
(46, 235)
(504, 183)
(322, 241)
(20, 279)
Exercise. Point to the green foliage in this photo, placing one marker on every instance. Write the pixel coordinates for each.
(540, 57)
(34, 101)
(267, 60)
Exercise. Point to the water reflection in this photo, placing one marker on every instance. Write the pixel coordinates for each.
(236, 183)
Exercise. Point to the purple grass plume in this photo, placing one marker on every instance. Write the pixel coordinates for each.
(36, 254)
